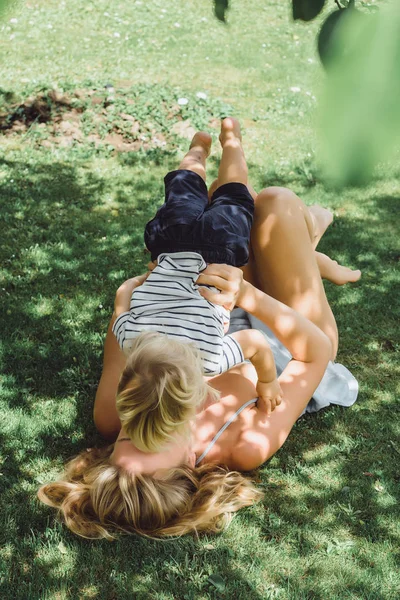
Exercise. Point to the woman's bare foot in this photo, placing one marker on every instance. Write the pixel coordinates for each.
(332, 271)
(321, 219)
(202, 141)
(230, 131)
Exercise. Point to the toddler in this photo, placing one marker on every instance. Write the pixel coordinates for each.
(171, 334)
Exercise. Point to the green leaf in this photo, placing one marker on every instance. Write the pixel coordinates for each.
(329, 32)
(217, 582)
(220, 8)
(307, 10)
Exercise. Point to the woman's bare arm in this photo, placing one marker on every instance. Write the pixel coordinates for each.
(267, 433)
(104, 412)
(304, 340)
(311, 350)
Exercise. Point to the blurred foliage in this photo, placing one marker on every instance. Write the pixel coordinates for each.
(360, 112)
(307, 10)
(220, 9)
(5, 4)
(359, 46)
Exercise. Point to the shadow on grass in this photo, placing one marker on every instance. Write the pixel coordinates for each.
(71, 234)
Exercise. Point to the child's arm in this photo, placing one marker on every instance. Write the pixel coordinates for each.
(255, 348)
(124, 293)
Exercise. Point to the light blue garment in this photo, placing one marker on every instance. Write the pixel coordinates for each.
(338, 385)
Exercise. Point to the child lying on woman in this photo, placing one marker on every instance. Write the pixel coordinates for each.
(173, 336)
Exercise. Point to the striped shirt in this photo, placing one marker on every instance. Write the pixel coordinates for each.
(169, 302)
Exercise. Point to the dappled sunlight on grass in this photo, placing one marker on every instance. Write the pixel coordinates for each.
(72, 231)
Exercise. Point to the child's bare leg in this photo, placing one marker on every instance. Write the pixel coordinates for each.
(330, 269)
(215, 185)
(195, 159)
(232, 167)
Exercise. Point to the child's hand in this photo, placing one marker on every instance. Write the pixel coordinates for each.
(152, 265)
(269, 395)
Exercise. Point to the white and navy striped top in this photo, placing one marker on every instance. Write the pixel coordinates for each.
(169, 302)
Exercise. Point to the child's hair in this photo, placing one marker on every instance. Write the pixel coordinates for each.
(159, 390)
(97, 499)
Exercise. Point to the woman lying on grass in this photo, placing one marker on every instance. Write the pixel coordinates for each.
(196, 484)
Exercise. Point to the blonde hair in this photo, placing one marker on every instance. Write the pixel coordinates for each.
(159, 390)
(97, 499)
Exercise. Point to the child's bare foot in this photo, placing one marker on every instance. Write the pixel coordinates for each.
(321, 218)
(230, 131)
(332, 271)
(202, 141)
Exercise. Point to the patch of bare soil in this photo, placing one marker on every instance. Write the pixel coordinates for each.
(53, 118)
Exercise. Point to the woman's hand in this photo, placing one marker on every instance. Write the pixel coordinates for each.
(227, 279)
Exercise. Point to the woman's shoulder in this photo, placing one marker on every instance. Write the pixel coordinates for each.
(219, 425)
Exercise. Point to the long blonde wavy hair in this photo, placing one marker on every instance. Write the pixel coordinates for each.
(159, 390)
(97, 499)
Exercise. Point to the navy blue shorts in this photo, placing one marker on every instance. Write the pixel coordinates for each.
(219, 231)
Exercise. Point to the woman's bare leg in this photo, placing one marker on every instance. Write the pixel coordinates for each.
(284, 260)
(318, 220)
(331, 270)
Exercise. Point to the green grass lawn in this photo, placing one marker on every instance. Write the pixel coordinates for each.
(80, 174)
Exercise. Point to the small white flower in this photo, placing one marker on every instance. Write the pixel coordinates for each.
(12, 36)
(204, 19)
(49, 26)
(117, 35)
(310, 60)
(177, 25)
(264, 45)
(295, 90)
(201, 95)
(182, 101)
(106, 14)
(13, 20)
